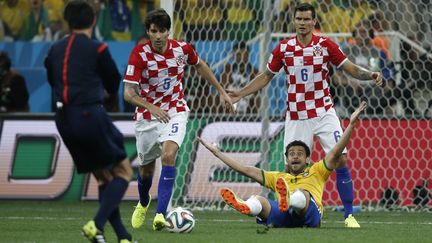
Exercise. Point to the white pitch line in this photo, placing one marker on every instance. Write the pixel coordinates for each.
(224, 220)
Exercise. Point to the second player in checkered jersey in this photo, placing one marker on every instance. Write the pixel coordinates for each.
(305, 59)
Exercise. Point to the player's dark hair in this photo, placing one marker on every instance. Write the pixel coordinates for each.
(303, 7)
(297, 143)
(5, 60)
(158, 17)
(79, 15)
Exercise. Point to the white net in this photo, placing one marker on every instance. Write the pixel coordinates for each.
(390, 153)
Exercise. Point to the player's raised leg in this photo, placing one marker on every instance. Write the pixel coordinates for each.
(282, 194)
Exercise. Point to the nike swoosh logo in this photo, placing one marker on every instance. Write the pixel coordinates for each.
(168, 178)
(345, 182)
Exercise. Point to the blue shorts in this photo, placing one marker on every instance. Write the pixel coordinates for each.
(91, 137)
(291, 219)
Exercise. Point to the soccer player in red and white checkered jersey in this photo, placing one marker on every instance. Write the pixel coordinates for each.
(305, 59)
(153, 83)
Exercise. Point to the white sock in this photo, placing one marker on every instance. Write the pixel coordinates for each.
(298, 200)
(255, 205)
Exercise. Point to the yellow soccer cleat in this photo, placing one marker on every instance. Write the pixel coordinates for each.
(139, 215)
(233, 201)
(128, 241)
(351, 222)
(282, 194)
(159, 222)
(92, 233)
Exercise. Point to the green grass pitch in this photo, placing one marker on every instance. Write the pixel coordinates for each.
(54, 221)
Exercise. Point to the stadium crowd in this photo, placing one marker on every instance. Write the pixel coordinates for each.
(241, 20)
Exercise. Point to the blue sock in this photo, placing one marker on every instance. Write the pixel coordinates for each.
(110, 199)
(144, 188)
(166, 184)
(115, 219)
(345, 188)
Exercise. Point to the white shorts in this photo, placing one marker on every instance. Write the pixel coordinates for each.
(327, 128)
(151, 134)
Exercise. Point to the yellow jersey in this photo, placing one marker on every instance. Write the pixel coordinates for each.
(312, 179)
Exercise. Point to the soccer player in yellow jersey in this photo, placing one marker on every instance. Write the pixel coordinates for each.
(298, 190)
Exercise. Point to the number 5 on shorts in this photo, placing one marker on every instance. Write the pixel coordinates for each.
(175, 127)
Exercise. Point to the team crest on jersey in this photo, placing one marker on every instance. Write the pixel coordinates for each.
(317, 50)
(180, 60)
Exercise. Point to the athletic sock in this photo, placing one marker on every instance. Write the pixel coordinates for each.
(115, 219)
(345, 188)
(144, 186)
(166, 184)
(110, 199)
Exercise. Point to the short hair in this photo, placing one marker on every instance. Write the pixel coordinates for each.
(297, 143)
(303, 7)
(158, 17)
(5, 60)
(79, 14)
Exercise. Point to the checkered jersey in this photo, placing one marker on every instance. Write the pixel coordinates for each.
(160, 75)
(306, 69)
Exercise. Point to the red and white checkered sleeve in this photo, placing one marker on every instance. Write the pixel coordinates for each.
(193, 57)
(135, 66)
(275, 63)
(337, 57)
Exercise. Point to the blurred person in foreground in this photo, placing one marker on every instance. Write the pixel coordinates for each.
(79, 70)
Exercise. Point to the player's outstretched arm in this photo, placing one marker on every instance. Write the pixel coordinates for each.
(332, 157)
(205, 72)
(361, 73)
(249, 171)
(256, 84)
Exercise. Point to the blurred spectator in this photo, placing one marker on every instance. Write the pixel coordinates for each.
(36, 22)
(13, 13)
(198, 93)
(357, 11)
(56, 28)
(332, 18)
(411, 72)
(13, 90)
(242, 19)
(237, 73)
(364, 54)
(202, 19)
(284, 21)
(118, 20)
(379, 24)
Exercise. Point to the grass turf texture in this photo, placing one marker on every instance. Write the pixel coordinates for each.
(52, 221)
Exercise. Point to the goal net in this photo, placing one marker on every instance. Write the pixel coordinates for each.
(390, 152)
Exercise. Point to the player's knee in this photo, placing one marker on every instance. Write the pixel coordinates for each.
(298, 200)
(168, 158)
(124, 170)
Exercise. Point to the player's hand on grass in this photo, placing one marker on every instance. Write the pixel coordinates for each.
(377, 76)
(210, 146)
(356, 114)
(158, 113)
